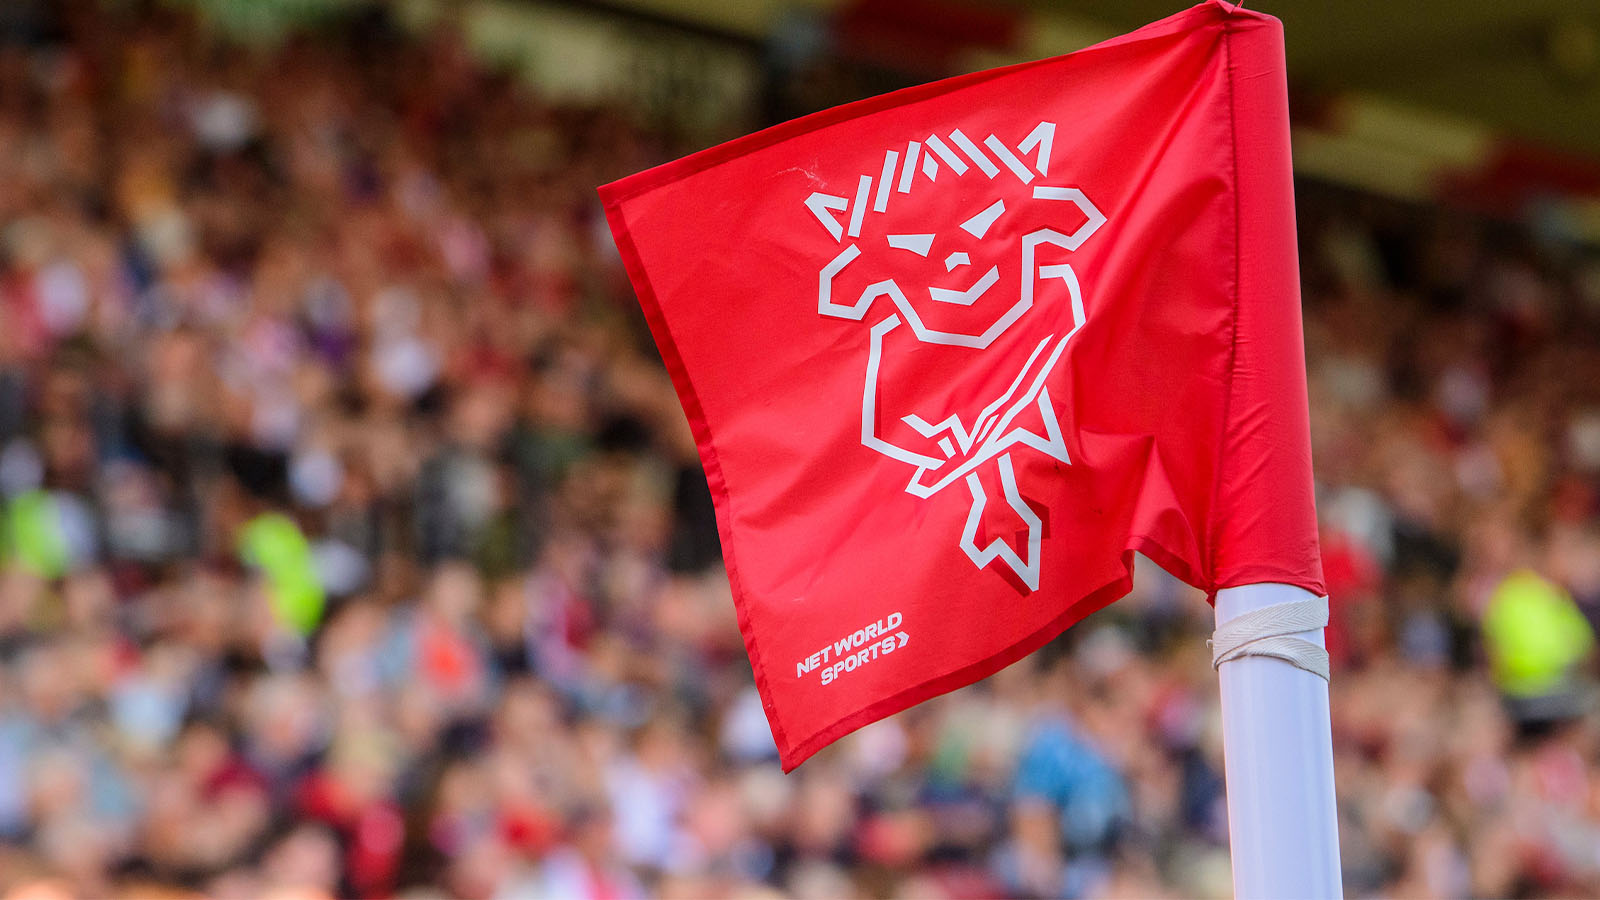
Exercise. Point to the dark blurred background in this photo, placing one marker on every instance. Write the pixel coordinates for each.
(352, 541)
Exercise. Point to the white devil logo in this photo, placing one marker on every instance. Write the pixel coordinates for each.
(967, 317)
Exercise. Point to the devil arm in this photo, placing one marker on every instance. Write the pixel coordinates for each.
(885, 427)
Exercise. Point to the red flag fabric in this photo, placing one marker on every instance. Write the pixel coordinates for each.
(951, 355)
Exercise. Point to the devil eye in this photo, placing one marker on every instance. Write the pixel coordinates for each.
(919, 244)
(978, 225)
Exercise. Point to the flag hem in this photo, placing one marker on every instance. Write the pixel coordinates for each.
(1265, 419)
(721, 498)
(1213, 520)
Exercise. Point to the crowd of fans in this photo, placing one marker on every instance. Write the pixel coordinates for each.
(354, 543)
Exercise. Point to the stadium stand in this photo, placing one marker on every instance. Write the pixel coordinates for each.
(354, 542)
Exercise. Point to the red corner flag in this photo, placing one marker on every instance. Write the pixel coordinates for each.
(952, 354)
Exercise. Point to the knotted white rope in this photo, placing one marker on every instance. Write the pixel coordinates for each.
(1268, 632)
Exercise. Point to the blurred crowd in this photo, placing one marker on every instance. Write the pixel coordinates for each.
(352, 541)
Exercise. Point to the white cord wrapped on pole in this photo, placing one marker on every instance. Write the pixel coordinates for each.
(1283, 826)
(1269, 631)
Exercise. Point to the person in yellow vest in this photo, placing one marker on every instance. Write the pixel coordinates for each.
(1538, 641)
(273, 543)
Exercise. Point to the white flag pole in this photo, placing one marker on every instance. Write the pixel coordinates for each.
(1277, 746)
